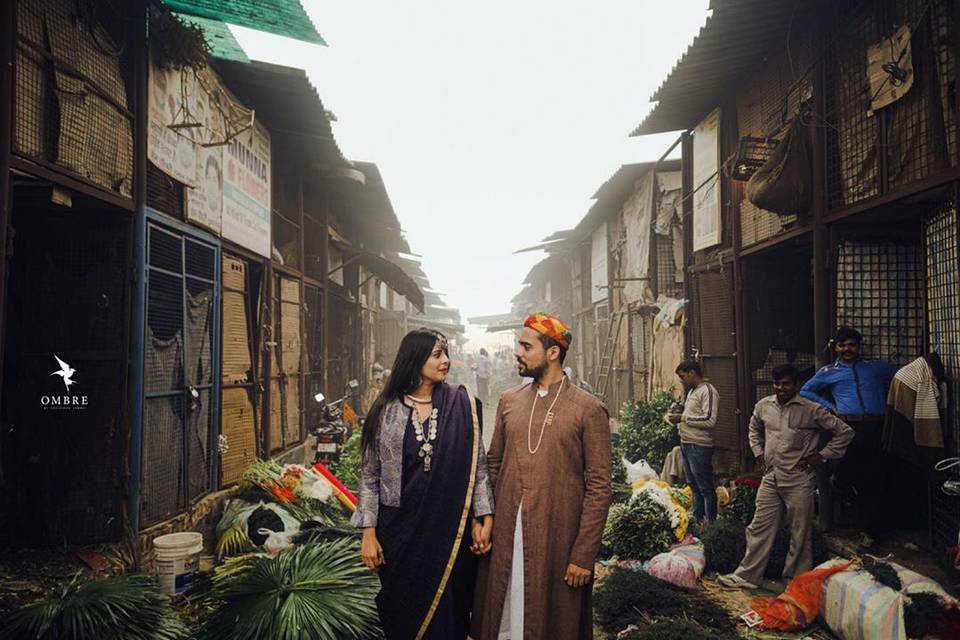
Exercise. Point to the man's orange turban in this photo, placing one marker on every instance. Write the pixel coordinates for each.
(550, 326)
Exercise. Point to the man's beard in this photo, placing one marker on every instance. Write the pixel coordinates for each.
(532, 372)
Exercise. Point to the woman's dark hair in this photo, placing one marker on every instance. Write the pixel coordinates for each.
(414, 351)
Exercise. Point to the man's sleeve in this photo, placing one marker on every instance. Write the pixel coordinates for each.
(495, 454)
(757, 435)
(814, 388)
(597, 458)
(842, 433)
(705, 414)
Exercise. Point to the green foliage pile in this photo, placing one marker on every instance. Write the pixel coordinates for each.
(644, 434)
(637, 529)
(347, 469)
(725, 542)
(319, 591)
(625, 596)
(129, 607)
(742, 505)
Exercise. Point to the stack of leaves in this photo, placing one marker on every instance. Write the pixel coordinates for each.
(129, 607)
(319, 591)
(637, 530)
(644, 434)
(626, 597)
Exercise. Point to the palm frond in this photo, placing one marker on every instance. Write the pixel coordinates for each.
(233, 541)
(319, 591)
(129, 607)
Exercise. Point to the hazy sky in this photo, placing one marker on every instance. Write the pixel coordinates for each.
(492, 123)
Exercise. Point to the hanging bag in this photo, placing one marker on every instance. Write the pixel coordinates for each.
(784, 184)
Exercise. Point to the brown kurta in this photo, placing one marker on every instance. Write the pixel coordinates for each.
(565, 489)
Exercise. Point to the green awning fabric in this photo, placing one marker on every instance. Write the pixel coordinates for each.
(222, 43)
(282, 17)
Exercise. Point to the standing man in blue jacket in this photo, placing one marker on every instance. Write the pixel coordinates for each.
(855, 389)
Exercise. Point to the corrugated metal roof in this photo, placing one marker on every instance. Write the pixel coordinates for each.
(732, 42)
(286, 102)
(542, 269)
(282, 17)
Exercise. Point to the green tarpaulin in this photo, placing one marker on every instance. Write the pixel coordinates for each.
(222, 43)
(282, 17)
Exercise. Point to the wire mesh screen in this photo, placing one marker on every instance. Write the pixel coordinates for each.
(879, 288)
(943, 309)
(164, 475)
(179, 376)
(772, 98)
(666, 267)
(198, 444)
(915, 136)
(852, 132)
(68, 295)
(70, 103)
(919, 124)
(164, 193)
(763, 375)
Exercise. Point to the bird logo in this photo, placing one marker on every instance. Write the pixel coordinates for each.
(66, 372)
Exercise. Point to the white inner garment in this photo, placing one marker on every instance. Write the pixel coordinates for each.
(511, 624)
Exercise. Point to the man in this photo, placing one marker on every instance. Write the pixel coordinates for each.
(857, 390)
(484, 371)
(550, 464)
(785, 433)
(696, 424)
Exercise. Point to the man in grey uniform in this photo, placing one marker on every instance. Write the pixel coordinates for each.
(784, 435)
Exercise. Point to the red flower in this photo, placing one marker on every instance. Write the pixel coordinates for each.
(748, 481)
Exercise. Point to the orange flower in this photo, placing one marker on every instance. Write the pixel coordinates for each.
(281, 493)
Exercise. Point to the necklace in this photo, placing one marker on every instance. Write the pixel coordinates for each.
(547, 419)
(426, 449)
(419, 400)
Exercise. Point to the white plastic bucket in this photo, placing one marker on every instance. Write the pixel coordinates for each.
(178, 555)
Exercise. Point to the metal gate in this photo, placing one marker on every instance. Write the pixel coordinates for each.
(713, 337)
(181, 392)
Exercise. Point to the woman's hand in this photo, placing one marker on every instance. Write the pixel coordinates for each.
(371, 553)
(482, 532)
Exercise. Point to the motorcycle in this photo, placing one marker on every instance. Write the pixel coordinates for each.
(333, 431)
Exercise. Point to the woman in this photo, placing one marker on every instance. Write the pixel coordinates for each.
(425, 499)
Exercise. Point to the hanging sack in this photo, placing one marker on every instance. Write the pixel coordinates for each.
(784, 184)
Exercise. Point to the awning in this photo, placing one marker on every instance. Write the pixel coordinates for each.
(395, 277)
(287, 104)
(731, 44)
(282, 17)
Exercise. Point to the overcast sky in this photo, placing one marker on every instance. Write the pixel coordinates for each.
(492, 123)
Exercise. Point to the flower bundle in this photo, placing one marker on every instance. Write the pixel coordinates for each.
(302, 491)
(671, 499)
(638, 529)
